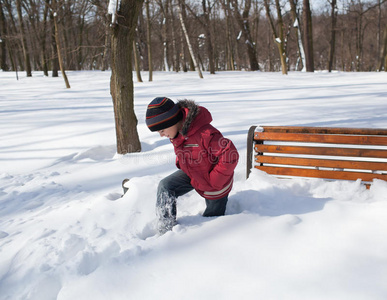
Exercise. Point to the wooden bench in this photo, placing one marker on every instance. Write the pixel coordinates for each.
(318, 152)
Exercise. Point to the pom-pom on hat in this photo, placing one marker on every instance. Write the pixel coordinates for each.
(162, 113)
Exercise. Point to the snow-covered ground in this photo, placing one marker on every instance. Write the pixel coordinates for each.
(66, 234)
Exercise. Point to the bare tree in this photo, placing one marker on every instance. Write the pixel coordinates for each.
(176, 56)
(204, 20)
(188, 39)
(43, 40)
(26, 52)
(58, 43)
(136, 61)
(84, 9)
(298, 32)
(383, 53)
(308, 36)
(278, 37)
(359, 10)
(149, 40)
(332, 42)
(207, 28)
(54, 48)
(164, 7)
(229, 45)
(121, 82)
(243, 21)
(3, 45)
(223, 35)
(106, 45)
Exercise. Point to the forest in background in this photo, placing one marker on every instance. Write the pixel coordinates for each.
(214, 35)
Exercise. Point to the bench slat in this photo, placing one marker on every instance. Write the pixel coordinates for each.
(321, 138)
(355, 152)
(326, 130)
(321, 173)
(325, 163)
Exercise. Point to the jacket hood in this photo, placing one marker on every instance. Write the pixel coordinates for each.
(195, 116)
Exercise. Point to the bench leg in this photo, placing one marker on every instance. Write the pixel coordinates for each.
(250, 148)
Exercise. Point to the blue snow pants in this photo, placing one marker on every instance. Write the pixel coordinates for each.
(174, 186)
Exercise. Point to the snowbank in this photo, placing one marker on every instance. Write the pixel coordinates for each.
(65, 233)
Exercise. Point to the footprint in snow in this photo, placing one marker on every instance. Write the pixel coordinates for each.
(3, 234)
(113, 196)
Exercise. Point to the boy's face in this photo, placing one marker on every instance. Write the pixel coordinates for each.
(170, 132)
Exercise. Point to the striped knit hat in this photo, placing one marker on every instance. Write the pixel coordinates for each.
(162, 113)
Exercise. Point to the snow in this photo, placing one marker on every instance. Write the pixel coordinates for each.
(65, 233)
(113, 7)
(239, 35)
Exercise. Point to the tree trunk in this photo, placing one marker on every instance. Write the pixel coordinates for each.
(332, 41)
(281, 41)
(58, 45)
(165, 40)
(342, 51)
(359, 40)
(269, 51)
(183, 52)
(308, 36)
(136, 62)
(230, 63)
(106, 43)
(164, 32)
(54, 49)
(35, 33)
(243, 21)
(121, 82)
(383, 53)
(176, 56)
(297, 26)
(149, 41)
(80, 58)
(204, 20)
(3, 34)
(43, 40)
(207, 28)
(26, 54)
(68, 38)
(15, 49)
(278, 38)
(188, 42)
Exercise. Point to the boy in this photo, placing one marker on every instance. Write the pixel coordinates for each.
(205, 159)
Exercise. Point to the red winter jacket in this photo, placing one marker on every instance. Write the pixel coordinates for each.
(203, 153)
